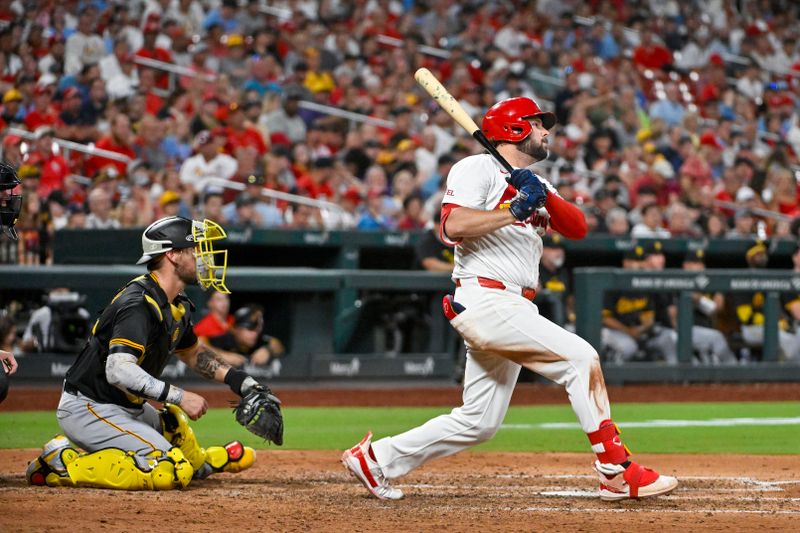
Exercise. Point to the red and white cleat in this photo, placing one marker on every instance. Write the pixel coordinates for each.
(359, 462)
(620, 483)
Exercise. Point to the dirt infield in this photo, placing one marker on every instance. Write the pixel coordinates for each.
(310, 491)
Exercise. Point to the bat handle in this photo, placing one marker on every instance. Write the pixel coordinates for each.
(486, 143)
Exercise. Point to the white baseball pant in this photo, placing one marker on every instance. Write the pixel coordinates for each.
(623, 347)
(711, 346)
(502, 331)
(753, 335)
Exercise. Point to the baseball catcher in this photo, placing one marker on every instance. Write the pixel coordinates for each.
(128, 444)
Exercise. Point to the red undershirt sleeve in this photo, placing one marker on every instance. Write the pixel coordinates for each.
(565, 218)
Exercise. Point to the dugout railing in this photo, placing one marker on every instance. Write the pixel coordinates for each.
(591, 284)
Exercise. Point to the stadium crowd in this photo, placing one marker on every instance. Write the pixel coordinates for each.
(674, 118)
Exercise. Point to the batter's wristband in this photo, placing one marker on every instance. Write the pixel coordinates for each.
(234, 379)
(164, 393)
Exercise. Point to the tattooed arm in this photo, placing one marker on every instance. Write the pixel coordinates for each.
(208, 363)
(205, 361)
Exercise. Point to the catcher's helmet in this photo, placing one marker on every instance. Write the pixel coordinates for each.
(10, 203)
(172, 233)
(508, 120)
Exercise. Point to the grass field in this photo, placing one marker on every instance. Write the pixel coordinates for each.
(752, 428)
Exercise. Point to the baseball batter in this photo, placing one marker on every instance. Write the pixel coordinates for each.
(494, 220)
(128, 443)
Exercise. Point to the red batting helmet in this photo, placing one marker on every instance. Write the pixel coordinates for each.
(507, 120)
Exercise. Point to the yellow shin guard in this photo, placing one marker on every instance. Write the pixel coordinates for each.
(113, 468)
(233, 457)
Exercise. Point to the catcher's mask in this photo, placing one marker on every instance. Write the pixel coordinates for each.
(172, 233)
(508, 120)
(10, 203)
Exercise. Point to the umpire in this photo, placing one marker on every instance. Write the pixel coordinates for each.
(103, 409)
(10, 205)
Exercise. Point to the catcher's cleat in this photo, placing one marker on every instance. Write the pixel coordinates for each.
(51, 463)
(620, 483)
(358, 460)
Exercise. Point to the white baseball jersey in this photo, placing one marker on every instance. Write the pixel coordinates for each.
(195, 169)
(510, 254)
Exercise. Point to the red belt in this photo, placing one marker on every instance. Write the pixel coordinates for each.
(526, 292)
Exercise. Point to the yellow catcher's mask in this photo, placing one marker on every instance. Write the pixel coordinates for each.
(212, 265)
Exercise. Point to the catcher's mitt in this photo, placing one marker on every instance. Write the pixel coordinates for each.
(260, 412)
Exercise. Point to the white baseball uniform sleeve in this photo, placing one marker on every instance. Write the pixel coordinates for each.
(510, 254)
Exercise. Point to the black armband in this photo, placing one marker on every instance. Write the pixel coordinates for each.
(234, 379)
(164, 393)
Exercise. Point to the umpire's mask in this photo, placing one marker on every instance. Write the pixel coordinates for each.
(171, 233)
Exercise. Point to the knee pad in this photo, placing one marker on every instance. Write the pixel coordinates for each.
(233, 457)
(175, 428)
(172, 471)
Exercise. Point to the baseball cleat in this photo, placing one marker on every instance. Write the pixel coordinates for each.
(620, 483)
(358, 462)
(50, 461)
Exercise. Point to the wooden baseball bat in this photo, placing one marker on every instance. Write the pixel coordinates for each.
(434, 87)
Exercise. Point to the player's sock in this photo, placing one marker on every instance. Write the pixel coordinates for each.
(608, 446)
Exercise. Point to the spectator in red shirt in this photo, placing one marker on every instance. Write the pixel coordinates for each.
(44, 113)
(147, 82)
(149, 50)
(412, 214)
(119, 140)
(54, 167)
(315, 184)
(240, 134)
(660, 178)
(650, 54)
(218, 320)
(732, 180)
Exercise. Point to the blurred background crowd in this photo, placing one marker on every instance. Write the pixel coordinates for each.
(674, 118)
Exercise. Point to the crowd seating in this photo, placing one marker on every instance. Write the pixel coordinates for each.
(117, 113)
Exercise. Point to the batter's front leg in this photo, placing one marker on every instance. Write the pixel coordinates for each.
(489, 381)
